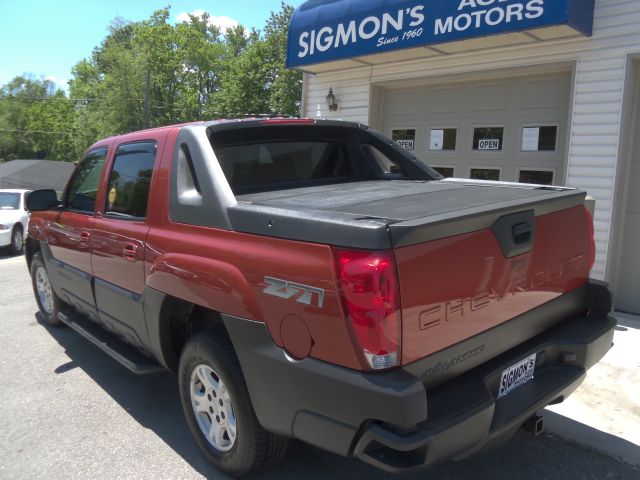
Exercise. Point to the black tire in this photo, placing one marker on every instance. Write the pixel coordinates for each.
(254, 449)
(17, 240)
(49, 313)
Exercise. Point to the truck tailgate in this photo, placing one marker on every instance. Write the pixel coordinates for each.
(456, 286)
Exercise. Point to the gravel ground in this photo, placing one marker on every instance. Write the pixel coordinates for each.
(69, 411)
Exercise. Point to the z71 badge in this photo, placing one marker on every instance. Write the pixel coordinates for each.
(287, 290)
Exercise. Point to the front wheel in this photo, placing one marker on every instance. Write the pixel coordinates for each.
(218, 409)
(17, 240)
(48, 302)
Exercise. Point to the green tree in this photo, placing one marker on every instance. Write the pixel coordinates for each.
(244, 86)
(35, 119)
(285, 89)
(152, 73)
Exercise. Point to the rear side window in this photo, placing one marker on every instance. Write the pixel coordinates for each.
(128, 189)
(83, 186)
(9, 201)
(384, 163)
(247, 167)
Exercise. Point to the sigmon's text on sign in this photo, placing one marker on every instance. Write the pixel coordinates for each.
(378, 27)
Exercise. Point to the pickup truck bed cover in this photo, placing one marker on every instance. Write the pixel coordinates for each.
(404, 212)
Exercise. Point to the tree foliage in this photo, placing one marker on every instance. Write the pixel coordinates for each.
(147, 74)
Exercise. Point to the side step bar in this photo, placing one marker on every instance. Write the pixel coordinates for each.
(122, 352)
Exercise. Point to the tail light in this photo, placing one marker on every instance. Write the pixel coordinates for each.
(371, 302)
(592, 239)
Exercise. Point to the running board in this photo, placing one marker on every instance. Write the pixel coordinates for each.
(122, 352)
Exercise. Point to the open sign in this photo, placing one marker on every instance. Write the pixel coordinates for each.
(408, 144)
(489, 144)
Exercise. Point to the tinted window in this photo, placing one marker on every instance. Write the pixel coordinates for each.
(252, 166)
(128, 190)
(9, 201)
(83, 187)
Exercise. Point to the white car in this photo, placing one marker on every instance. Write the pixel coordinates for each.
(13, 219)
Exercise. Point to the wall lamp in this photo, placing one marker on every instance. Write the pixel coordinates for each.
(332, 103)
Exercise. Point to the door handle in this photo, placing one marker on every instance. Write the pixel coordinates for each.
(85, 237)
(522, 232)
(130, 251)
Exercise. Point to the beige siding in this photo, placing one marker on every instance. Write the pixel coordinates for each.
(597, 104)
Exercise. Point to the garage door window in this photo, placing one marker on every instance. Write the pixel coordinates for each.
(446, 172)
(485, 174)
(488, 139)
(443, 139)
(539, 139)
(538, 177)
(406, 137)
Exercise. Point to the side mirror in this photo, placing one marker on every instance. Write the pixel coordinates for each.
(42, 200)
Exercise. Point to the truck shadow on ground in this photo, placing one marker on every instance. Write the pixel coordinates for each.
(4, 253)
(153, 401)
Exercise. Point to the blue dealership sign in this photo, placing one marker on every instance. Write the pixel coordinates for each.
(327, 30)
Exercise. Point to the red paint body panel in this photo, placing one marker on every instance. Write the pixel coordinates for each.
(110, 238)
(69, 237)
(458, 287)
(225, 271)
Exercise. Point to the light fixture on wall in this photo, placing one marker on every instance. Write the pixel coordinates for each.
(332, 103)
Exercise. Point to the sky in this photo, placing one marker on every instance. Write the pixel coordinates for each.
(47, 38)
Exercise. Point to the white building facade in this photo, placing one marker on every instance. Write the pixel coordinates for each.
(543, 100)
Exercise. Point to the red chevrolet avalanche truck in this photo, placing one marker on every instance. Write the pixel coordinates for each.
(313, 280)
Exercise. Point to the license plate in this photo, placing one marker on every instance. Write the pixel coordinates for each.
(517, 375)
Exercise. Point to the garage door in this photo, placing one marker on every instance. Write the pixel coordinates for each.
(628, 287)
(512, 129)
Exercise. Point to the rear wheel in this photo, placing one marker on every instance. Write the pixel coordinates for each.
(48, 302)
(17, 240)
(218, 409)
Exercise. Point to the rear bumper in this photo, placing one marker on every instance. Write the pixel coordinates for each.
(391, 420)
(465, 415)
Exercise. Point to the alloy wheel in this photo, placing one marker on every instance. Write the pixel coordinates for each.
(213, 408)
(43, 287)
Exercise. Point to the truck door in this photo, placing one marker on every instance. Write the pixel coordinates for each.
(118, 247)
(69, 235)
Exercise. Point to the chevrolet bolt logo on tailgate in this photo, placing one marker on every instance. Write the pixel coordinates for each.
(287, 290)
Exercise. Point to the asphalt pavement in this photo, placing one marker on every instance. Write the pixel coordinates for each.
(69, 411)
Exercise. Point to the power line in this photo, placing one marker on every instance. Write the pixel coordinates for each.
(111, 107)
(65, 99)
(138, 100)
(219, 115)
(42, 131)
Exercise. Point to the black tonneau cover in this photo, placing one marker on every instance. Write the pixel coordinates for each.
(383, 214)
